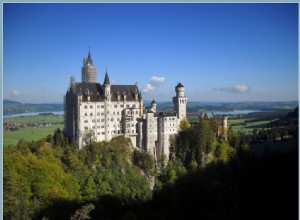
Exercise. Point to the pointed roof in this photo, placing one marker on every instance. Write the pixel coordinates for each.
(179, 85)
(106, 79)
(153, 102)
(89, 58)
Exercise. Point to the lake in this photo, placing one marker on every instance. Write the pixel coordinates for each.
(235, 112)
(31, 114)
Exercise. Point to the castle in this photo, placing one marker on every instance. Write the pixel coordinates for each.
(112, 110)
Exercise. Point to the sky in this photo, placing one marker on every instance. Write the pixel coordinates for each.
(220, 52)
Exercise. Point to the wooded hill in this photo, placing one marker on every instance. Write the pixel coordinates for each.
(204, 179)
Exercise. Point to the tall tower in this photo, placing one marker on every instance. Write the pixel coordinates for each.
(107, 95)
(88, 71)
(180, 102)
(225, 126)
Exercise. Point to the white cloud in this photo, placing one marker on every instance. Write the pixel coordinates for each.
(15, 93)
(239, 88)
(148, 88)
(155, 81)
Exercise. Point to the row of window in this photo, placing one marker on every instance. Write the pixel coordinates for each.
(170, 119)
(115, 106)
(150, 131)
(114, 113)
(98, 120)
(98, 127)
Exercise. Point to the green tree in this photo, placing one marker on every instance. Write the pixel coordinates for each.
(184, 124)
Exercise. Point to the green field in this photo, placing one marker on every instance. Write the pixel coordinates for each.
(38, 118)
(28, 134)
(32, 133)
(241, 125)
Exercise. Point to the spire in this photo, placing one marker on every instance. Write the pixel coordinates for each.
(106, 79)
(89, 58)
(179, 85)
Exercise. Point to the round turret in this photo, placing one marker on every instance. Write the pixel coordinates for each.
(179, 89)
(153, 105)
(89, 72)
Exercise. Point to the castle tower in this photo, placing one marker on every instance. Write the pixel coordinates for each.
(153, 106)
(107, 94)
(225, 126)
(180, 102)
(88, 71)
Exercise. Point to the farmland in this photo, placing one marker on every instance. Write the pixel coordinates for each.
(30, 128)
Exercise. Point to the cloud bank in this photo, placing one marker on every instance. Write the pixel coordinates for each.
(155, 82)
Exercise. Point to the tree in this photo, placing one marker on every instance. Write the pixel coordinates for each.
(184, 124)
(83, 213)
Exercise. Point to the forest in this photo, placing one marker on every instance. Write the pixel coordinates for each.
(205, 178)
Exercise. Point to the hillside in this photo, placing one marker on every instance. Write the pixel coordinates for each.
(12, 107)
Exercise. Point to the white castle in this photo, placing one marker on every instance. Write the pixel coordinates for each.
(112, 110)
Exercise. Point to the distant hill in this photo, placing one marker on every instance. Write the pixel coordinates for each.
(290, 118)
(196, 107)
(13, 107)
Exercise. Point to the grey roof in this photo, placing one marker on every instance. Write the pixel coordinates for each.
(106, 79)
(96, 91)
(89, 59)
(179, 85)
(165, 114)
(207, 115)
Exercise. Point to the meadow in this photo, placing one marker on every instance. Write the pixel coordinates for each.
(32, 133)
(247, 127)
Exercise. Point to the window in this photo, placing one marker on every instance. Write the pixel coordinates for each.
(116, 106)
(94, 120)
(91, 106)
(91, 114)
(85, 114)
(133, 105)
(122, 106)
(102, 106)
(85, 106)
(85, 121)
(98, 113)
(127, 106)
(98, 106)
(102, 120)
(98, 120)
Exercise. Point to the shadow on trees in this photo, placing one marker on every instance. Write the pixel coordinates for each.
(249, 187)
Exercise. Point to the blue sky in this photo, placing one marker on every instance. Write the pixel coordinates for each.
(219, 52)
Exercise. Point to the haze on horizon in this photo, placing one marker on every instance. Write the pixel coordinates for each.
(219, 52)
